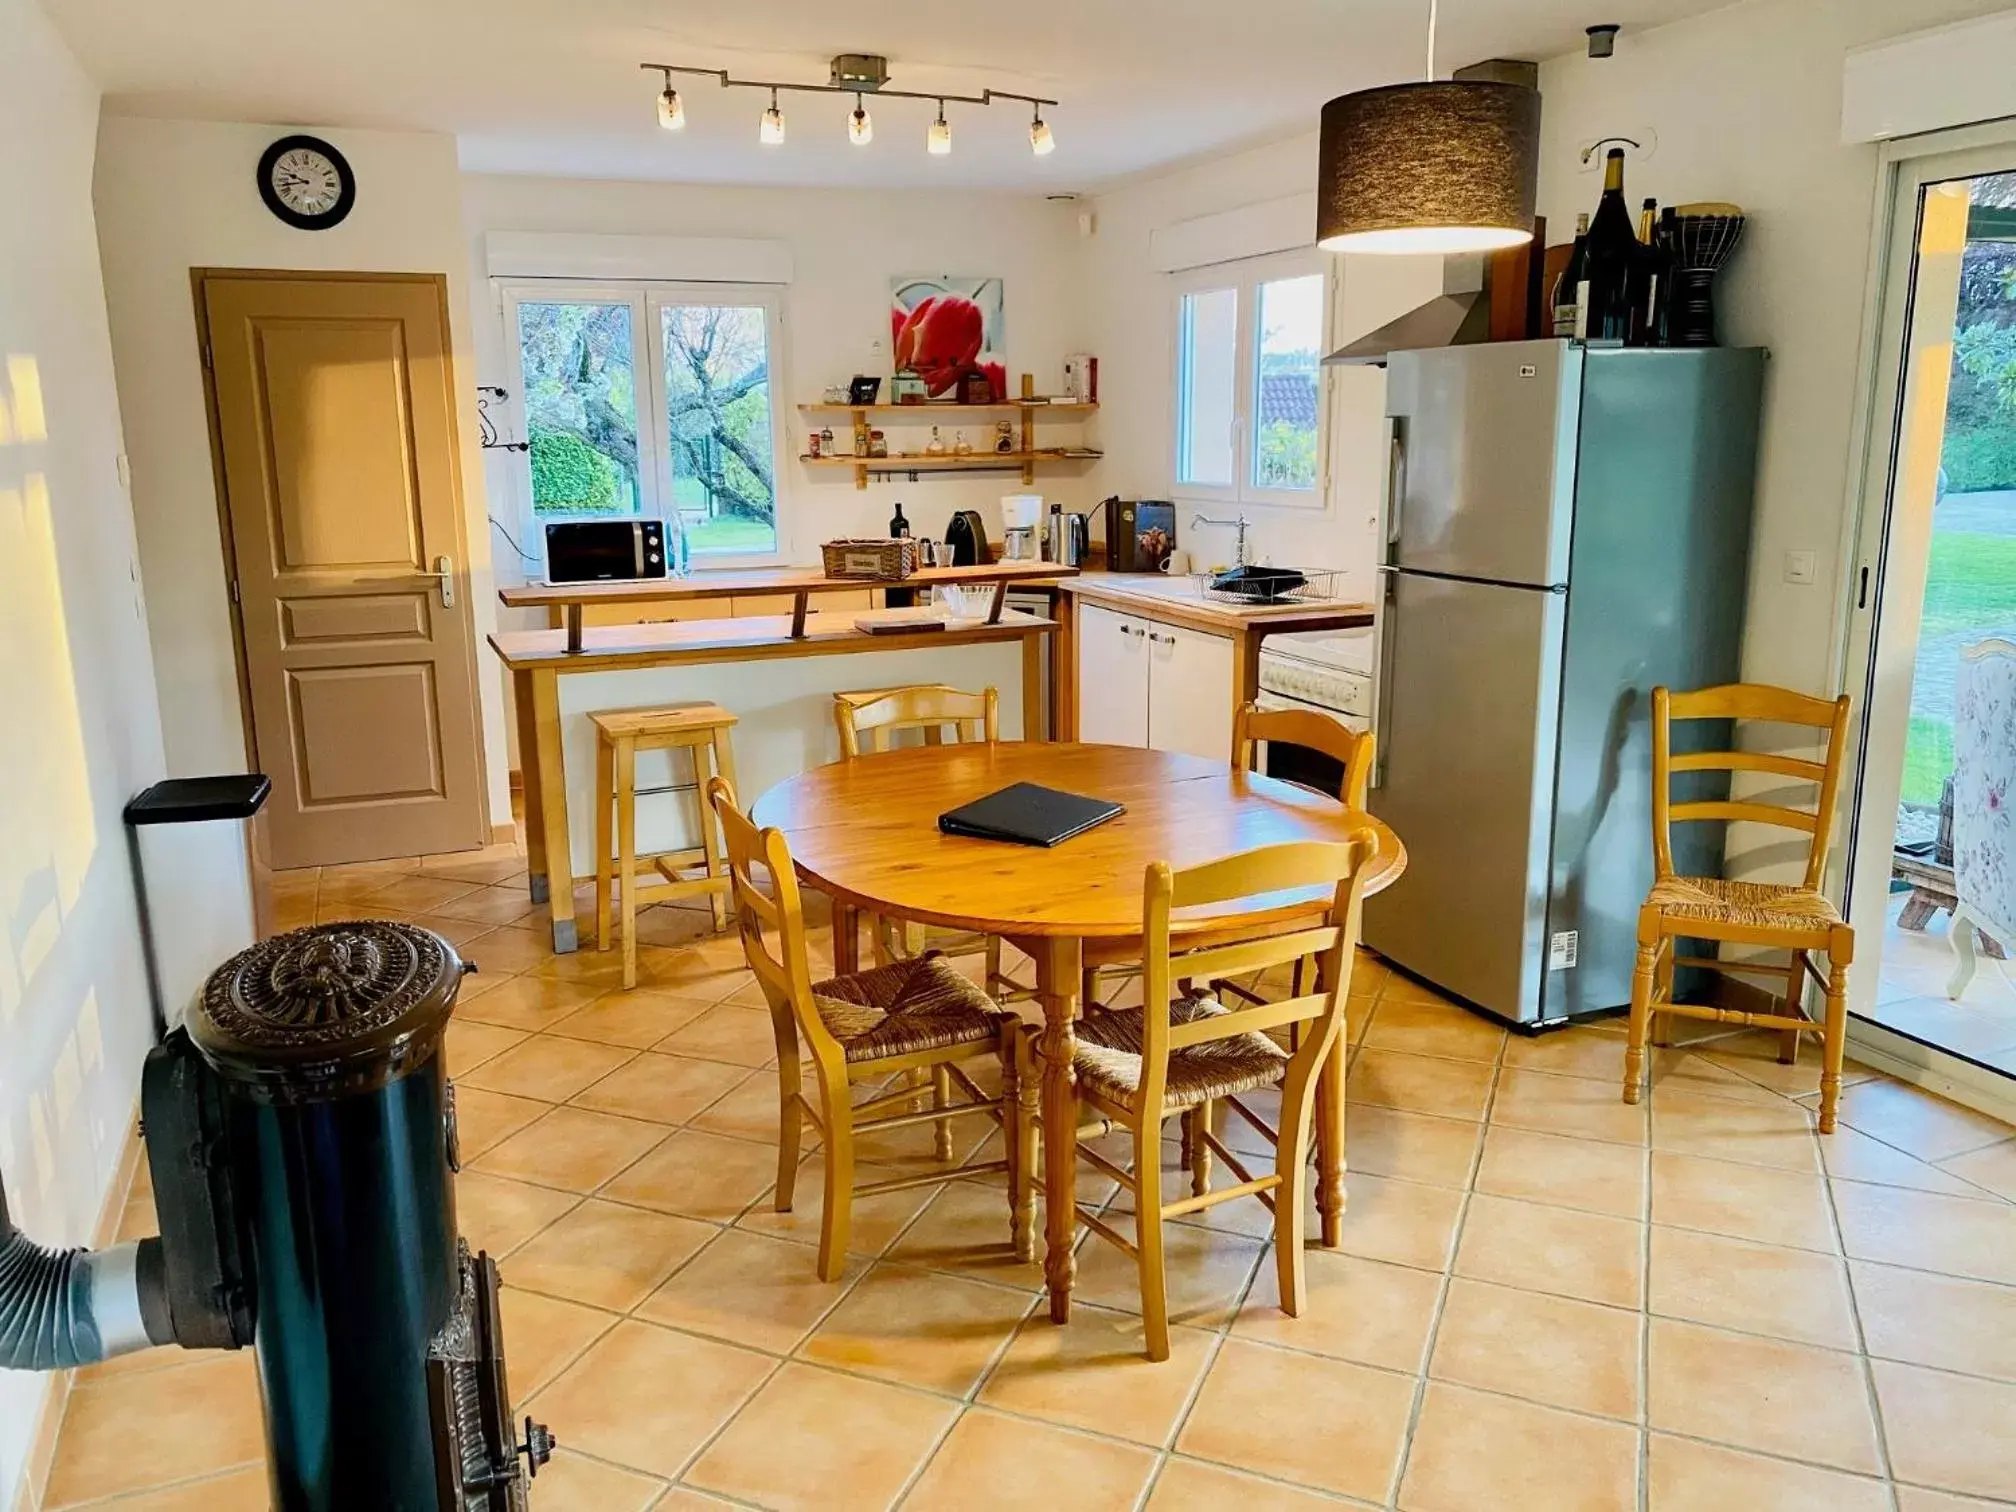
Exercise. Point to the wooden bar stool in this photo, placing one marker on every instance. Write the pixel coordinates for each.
(699, 728)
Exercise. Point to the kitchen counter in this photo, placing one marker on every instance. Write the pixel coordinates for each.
(1180, 601)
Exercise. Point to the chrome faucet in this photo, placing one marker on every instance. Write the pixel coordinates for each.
(1240, 525)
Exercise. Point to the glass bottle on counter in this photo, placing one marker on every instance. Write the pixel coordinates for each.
(898, 526)
(1612, 258)
(1569, 302)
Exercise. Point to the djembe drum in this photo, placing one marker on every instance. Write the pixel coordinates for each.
(1703, 237)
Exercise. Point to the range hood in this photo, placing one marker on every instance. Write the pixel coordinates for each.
(1459, 316)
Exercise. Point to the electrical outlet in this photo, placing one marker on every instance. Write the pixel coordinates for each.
(1800, 566)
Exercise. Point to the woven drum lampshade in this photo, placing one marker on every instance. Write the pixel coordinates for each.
(1443, 166)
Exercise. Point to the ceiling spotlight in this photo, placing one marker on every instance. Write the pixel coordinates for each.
(1040, 141)
(860, 130)
(771, 133)
(671, 110)
(939, 141)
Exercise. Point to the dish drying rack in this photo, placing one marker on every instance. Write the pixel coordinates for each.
(1318, 585)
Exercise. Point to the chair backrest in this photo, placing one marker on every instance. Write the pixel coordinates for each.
(1765, 704)
(1984, 784)
(879, 713)
(1313, 732)
(1297, 866)
(773, 913)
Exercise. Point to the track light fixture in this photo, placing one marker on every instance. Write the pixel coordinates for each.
(858, 74)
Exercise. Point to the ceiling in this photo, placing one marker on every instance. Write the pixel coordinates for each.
(552, 86)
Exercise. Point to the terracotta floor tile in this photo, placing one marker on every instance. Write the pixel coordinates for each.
(1778, 1135)
(1917, 1122)
(486, 1119)
(636, 1020)
(1388, 1142)
(965, 1229)
(748, 1110)
(1691, 1477)
(876, 1220)
(468, 1044)
(919, 1327)
(1574, 1173)
(1324, 1423)
(698, 1176)
(574, 1483)
(571, 1148)
(1401, 1221)
(1939, 1321)
(1434, 1029)
(750, 1289)
(1918, 1499)
(1576, 1051)
(1207, 1273)
(1358, 1309)
(1090, 1374)
(1569, 1105)
(1747, 1202)
(1419, 1083)
(1948, 1431)
(498, 1215)
(669, 1089)
(1753, 1288)
(740, 1036)
(1192, 1486)
(543, 1336)
(1992, 1169)
(818, 1439)
(648, 1398)
(526, 1002)
(606, 1255)
(1754, 1056)
(1471, 1451)
(1581, 1255)
(1851, 1155)
(240, 1491)
(548, 1068)
(129, 1432)
(1764, 1394)
(420, 894)
(1961, 1236)
(991, 1461)
(508, 950)
(493, 905)
(1546, 1349)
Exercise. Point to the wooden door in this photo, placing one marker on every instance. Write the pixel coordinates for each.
(335, 427)
(1189, 692)
(1112, 678)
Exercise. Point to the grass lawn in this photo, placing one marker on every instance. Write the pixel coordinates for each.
(1970, 594)
(1928, 759)
(730, 533)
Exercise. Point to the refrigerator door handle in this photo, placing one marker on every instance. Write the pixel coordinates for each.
(1382, 692)
(1396, 483)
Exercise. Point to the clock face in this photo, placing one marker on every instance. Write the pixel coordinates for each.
(306, 182)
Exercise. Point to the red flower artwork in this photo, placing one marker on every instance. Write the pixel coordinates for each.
(942, 338)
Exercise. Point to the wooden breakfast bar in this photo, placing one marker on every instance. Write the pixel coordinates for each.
(758, 667)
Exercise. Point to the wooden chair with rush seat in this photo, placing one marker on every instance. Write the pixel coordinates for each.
(1796, 918)
(1137, 1067)
(908, 1015)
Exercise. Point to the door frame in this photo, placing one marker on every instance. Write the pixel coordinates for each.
(1903, 167)
(199, 282)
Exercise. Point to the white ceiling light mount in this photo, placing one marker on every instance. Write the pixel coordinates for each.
(857, 74)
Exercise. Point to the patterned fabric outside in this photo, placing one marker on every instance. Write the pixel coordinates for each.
(1984, 762)
(1108, 1061)
(905, 1007)
(1751, 905)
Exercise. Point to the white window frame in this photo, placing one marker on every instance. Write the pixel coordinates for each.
(1244, 277)
(647, 298)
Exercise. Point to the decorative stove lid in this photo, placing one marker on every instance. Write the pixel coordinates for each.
(329, 1010)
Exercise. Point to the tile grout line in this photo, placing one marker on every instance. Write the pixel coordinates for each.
(1867, 1368)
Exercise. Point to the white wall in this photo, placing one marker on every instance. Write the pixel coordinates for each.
(81, 733)
(1746, 105)
(177, 195)
(845, 246)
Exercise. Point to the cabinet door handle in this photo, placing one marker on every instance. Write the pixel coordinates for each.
(1163, 640)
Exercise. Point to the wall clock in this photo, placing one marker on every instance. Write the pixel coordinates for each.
(306, 182)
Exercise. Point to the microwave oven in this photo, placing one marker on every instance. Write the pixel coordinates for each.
(598, 551)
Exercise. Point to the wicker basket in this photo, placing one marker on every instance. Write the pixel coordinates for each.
(883, 559)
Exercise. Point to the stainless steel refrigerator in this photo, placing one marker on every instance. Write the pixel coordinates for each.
(1565, 530)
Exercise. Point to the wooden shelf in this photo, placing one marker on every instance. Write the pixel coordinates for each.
(1024, 461)
(941, 408)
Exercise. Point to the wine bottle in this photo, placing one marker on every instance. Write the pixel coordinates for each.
(1612, 256)
(1642, 275)
(1659, 301)
(898, 526)
(1568, 289)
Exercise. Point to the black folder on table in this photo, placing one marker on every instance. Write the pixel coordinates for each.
(1025, 814)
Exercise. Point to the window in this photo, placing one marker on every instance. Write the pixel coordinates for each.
(1249, 391)
(653, 399)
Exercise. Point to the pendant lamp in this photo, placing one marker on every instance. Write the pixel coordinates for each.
(1446, 165)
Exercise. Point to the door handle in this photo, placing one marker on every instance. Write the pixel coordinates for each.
(444, 574)
(1396, 483)
(1382, 694)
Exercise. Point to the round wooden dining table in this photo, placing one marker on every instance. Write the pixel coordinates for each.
(865, 833)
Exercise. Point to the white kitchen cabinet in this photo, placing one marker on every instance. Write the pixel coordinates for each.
(1142, 682)
(1189, 692)
(1112, 677)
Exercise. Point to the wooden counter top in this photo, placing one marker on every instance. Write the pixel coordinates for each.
(1177, 602)
(750, 638)
(708, 585)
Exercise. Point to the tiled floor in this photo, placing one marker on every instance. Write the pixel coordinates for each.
(1546, 1301)
(1911, 997)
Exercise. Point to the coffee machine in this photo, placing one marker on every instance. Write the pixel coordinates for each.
(1022, 527)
